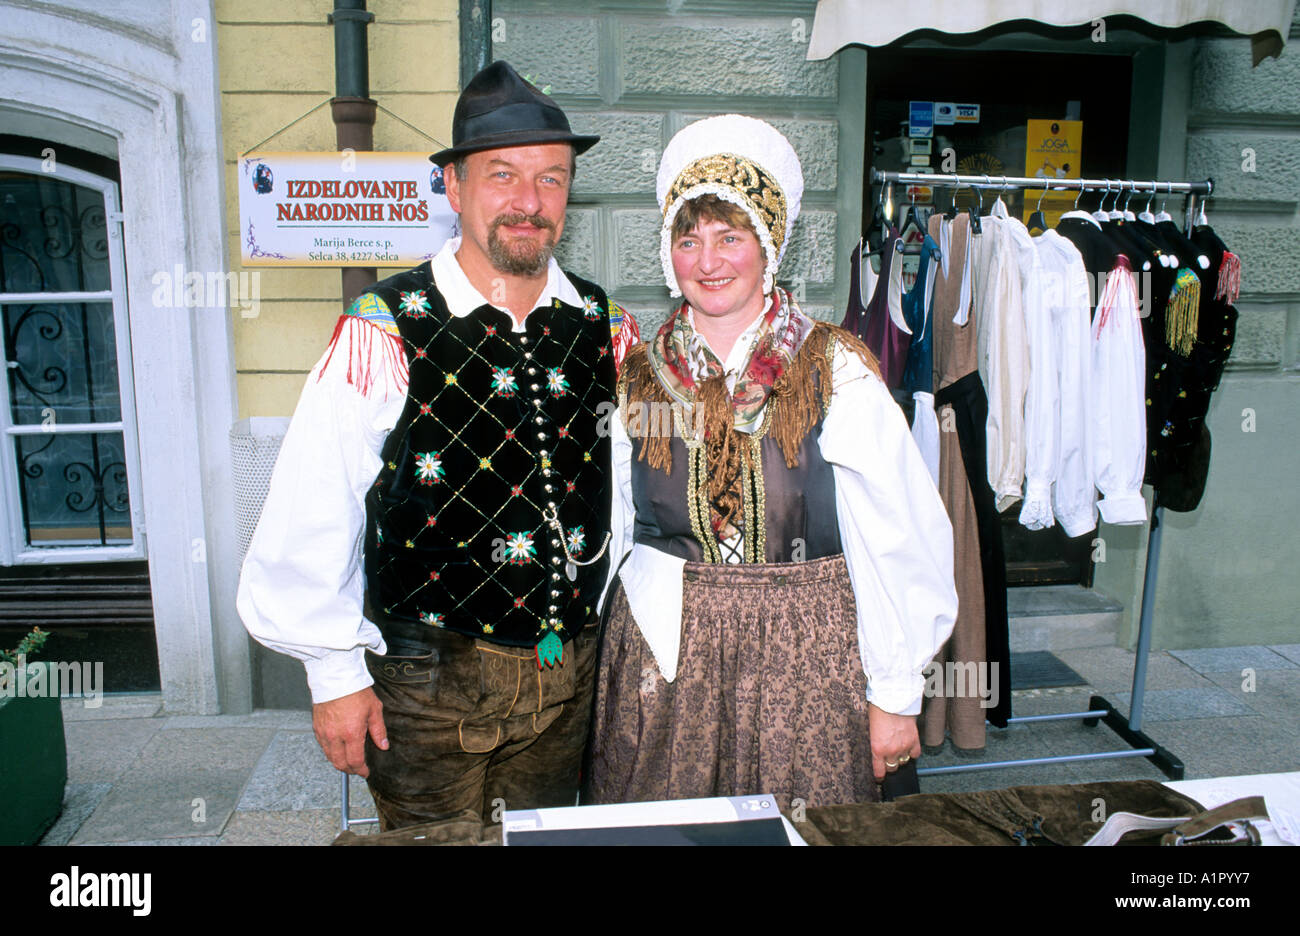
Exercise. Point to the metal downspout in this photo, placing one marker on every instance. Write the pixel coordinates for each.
(352, 108)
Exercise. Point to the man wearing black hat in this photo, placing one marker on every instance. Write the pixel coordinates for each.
(438, 524)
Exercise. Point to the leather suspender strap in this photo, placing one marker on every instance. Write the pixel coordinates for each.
(1242, 810)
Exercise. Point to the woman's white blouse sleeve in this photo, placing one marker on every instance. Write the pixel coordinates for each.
(302, 584)
(896, 535)
(622, 511)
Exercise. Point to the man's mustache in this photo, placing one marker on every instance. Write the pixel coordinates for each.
(536, 221)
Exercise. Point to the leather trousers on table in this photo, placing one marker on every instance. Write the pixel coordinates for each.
(477, 726)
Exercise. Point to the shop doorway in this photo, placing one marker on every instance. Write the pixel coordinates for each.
(1010, 88)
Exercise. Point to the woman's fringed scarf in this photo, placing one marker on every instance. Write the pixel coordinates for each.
(785, 388)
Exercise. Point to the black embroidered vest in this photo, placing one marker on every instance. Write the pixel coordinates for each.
(499, 432)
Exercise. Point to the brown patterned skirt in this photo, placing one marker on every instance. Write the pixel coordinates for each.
(769, 695)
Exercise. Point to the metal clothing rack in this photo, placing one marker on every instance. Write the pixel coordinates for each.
(1099, 709)
(1192, 190)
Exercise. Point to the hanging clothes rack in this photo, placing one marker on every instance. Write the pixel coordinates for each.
(1099, 709)
(1192, 190)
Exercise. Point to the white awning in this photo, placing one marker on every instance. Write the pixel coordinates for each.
(871, 23)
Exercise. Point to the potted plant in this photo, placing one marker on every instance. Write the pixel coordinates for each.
(33, 753)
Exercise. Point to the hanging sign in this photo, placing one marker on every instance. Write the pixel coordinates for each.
(1053, 150)
(341, 209)
(920, 119)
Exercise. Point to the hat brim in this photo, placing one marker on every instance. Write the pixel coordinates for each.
(579, 142)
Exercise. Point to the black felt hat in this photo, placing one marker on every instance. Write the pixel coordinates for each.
(499, 108)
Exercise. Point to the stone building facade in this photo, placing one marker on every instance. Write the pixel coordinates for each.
(636, 75)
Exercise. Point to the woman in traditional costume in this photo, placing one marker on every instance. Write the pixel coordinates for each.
(791, 564)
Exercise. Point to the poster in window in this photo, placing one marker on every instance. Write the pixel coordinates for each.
(1053, 150)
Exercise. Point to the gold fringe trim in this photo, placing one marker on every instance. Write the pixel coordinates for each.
(759, 537)
(1183, 312)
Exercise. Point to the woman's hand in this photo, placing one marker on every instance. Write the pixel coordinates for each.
(894, 740)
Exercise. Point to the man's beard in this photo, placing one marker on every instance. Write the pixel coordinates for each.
(520, 257)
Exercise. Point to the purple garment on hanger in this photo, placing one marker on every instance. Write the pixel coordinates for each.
(872, 322)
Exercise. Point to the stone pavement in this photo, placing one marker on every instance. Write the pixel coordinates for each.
(137, 776)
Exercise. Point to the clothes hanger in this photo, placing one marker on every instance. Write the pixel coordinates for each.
(945, 224)
(952, 204)
(1146, 214)
(999, 207)
(1115, 214)
(911, 219)
(1188, 252)
(1129, 215)
(1145, 224)
(1101, 214)
(975, 212)
(1202, 259)
(1164, 215)
(1228, 264)
(1143, 241)
(1037, 220)
(1141, 255)
(1079, 214)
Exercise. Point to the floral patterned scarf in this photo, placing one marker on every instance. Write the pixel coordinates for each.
(682, 360)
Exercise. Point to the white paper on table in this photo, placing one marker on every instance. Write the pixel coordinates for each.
(660, 812)
(1281, 792)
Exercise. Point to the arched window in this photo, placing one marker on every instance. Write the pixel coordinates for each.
(69, 468)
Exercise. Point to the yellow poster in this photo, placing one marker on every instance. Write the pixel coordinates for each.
(1053, 150)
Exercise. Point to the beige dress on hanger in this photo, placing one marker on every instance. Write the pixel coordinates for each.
(956, 354)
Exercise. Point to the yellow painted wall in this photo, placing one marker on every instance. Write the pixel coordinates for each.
(275, 62)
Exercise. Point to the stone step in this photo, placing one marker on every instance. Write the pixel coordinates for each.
(1061, 617)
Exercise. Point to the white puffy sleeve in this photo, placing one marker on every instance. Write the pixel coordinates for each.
(1118, 428)
(897, 539)
(302, 583)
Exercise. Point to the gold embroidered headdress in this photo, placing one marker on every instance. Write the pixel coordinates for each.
(741, 160)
